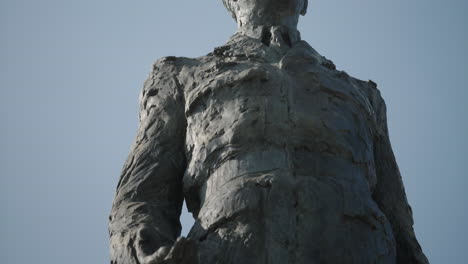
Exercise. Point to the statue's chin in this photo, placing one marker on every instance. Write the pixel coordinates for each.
(291, 6)
(285, 21)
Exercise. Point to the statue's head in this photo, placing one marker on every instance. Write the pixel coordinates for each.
(267, 12)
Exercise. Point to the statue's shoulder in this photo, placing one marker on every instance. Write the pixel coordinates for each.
(366, 90)
(371, 91)
(176, 69)
(173, 64)
(163, 79)
(183, 65)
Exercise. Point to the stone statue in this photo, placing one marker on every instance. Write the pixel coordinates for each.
(280, 157)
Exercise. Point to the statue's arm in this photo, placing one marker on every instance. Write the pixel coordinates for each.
(147, 205)
(390, 193)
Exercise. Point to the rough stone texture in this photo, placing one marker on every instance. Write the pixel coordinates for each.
(281, 159)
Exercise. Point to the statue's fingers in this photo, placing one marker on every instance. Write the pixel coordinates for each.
(183, 252)
(158, 256)
(177, 250)
(178, 247)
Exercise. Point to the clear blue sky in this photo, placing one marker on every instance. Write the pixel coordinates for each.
(71, 71)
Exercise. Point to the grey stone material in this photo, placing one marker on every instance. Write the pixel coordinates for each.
(280, 157)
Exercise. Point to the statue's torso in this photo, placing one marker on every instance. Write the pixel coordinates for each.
(280, 163)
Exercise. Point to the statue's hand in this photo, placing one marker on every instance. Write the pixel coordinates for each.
(181, 252)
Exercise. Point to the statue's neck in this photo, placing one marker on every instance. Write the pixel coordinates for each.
(283, 36)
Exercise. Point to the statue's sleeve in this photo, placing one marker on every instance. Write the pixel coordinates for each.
(389, 192)
(147, 205)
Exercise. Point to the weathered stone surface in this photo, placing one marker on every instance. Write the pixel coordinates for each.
(280, 157)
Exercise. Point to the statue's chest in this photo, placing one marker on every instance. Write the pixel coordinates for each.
(263, 104)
